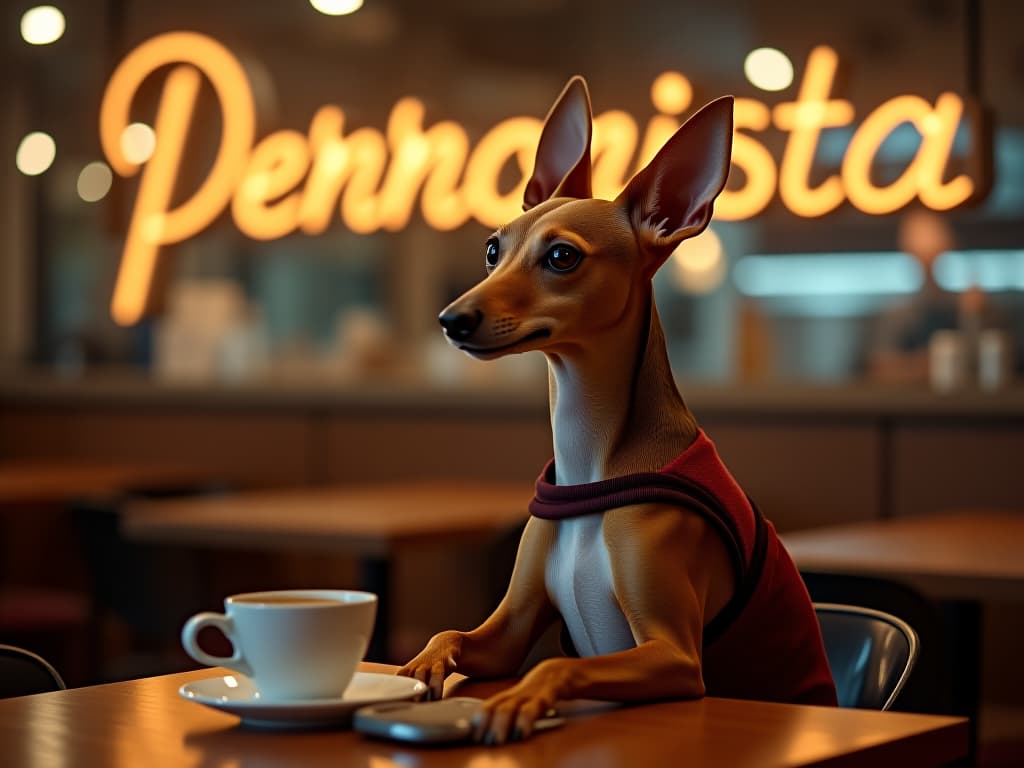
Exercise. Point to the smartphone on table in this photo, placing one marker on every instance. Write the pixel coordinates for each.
(447, 721)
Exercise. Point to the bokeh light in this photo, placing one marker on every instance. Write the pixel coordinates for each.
(137, 143)
(36, 153)
(336, 7)
(94, 181)
(42, 25)
(769, 69)
(671, 93)
(698, 264)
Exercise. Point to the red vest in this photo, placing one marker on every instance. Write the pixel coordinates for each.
(765, 643)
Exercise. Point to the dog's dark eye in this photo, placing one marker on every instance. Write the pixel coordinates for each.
(491, 253)
(562, 258)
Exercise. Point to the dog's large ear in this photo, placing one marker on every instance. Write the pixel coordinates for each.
(562, 168)
(673, 197)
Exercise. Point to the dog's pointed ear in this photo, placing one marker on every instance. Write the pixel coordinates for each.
(673, 197)
(562, 168)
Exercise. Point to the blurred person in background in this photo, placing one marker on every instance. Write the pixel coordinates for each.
(898, 350)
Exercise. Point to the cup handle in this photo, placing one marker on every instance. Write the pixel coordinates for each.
(190, 636)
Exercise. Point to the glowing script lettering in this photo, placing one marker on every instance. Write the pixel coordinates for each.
(153, 224)
(294, 181)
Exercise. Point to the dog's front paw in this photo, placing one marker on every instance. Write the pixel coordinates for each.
(512, 714)
(435, 662)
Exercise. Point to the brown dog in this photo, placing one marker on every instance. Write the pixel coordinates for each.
(642, 564)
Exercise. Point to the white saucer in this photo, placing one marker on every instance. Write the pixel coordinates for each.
(237, 695)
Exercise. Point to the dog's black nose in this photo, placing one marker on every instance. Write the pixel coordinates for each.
(460, 325)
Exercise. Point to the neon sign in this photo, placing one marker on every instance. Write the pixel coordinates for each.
(292, 181)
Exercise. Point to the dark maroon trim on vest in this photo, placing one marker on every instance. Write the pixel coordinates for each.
(562, 502)
(747, 586)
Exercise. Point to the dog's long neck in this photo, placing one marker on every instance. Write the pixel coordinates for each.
(614, 405)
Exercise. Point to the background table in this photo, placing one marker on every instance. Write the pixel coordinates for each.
(960, 555)
(46, 602)
(145, 722)
(373, 522)
(960, 558)
(35, 498)
(62, 481)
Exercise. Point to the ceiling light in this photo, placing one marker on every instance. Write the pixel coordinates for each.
(769, 69)
(36, 153)
(42, 25)
(336, 7)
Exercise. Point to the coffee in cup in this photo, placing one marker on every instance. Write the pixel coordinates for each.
(293, 644)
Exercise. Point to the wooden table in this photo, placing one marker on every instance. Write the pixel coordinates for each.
(963, 555)
(372, 522)
(35, 498)
(61, 481)
(959, 558)
(145, 722)
(47, 583)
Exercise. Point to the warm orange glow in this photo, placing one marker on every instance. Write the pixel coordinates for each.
(367, 158)
(615, 136)
(148, 226)
(266, 203)
(699, 264)
(152, 224)
(515, 138)
(431, 160)
(354, 167)
(323, 187)
(939, 130)
(804, 119)
(293, 181)
(671, 93)
(756, 162)
(923, 177)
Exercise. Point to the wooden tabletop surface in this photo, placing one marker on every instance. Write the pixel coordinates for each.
(145, 723)
(367, 519)
(965, 554)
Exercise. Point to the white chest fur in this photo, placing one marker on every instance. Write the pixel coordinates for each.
(579, 582)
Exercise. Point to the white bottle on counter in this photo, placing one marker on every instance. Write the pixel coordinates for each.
(995, 362)
(947, 361)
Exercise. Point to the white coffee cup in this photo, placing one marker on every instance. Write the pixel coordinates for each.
(293, 644)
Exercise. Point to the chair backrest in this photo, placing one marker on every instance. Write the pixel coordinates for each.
(23, 673)
(929, 688)
(869, 652)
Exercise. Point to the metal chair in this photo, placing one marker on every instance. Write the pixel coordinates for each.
(23, 673)
(929, 688)
(869, 652)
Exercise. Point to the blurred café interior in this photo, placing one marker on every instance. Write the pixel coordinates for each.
(230, 226)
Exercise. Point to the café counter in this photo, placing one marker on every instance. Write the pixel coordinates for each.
(810, 455)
